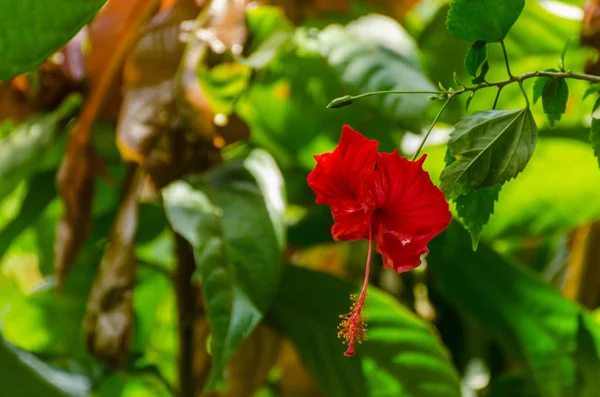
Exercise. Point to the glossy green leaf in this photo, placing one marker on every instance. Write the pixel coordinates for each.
(374, 53)
(24, 375)
(475, 57)
(483, 20)
(490, 147)
(537, 325)
(233, 218)
(400, 346)
(554, 99)
(24, 151)
(31, 32)
(475, 209)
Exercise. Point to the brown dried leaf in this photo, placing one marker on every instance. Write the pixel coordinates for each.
(109, 315)
(75, 182)
(249, 367)
(118, 22)
(112, 33)
(148, 109)
(150, 131)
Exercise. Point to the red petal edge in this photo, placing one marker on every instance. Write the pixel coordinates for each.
(338, 181)
(411, 210)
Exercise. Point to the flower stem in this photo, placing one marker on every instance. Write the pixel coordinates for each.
(353, 327)
(431, 128)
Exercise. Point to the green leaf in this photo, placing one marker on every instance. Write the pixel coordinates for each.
(593, 89)
(595, 138)
(475, 209)
(554, 99)
(374, 53)
(223, 84)
(269, 32)
(534, 322)
(31, 32)
(234, 219)
(41, 192)
(484, 69)
(561, 62)
(483, 20)
(550, 197)
(538, 86)
(490, 147)
(24, 151)
(596, 105)
(24, 375)
(401, 347)
(475, 57)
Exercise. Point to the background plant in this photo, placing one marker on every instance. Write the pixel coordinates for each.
(158, 236)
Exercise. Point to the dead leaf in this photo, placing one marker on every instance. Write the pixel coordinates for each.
(150, 130)
(109, 315)
(249, 367)
(149, 108)
(111, 33)
(75, 182)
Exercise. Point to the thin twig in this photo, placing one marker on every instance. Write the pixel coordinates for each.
(430, 129)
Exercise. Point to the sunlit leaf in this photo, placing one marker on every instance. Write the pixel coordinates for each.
(29, 34)
(24, 151)
(41, 191)
(483, 20)
(490, 148)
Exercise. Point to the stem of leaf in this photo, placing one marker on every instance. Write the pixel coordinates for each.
(431, 128)
(506, 58)
(524, 93)
(497, 97)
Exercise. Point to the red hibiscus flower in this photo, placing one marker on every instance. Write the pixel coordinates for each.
(381, 197)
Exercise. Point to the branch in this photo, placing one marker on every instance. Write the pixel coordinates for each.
(522, 77)
(449, 94)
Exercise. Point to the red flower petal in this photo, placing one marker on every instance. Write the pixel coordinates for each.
(411, 210)
(338, 181)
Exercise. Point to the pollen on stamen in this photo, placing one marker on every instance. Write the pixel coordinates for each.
(353, 327)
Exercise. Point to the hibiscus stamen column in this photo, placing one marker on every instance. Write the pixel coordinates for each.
(353, 327)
